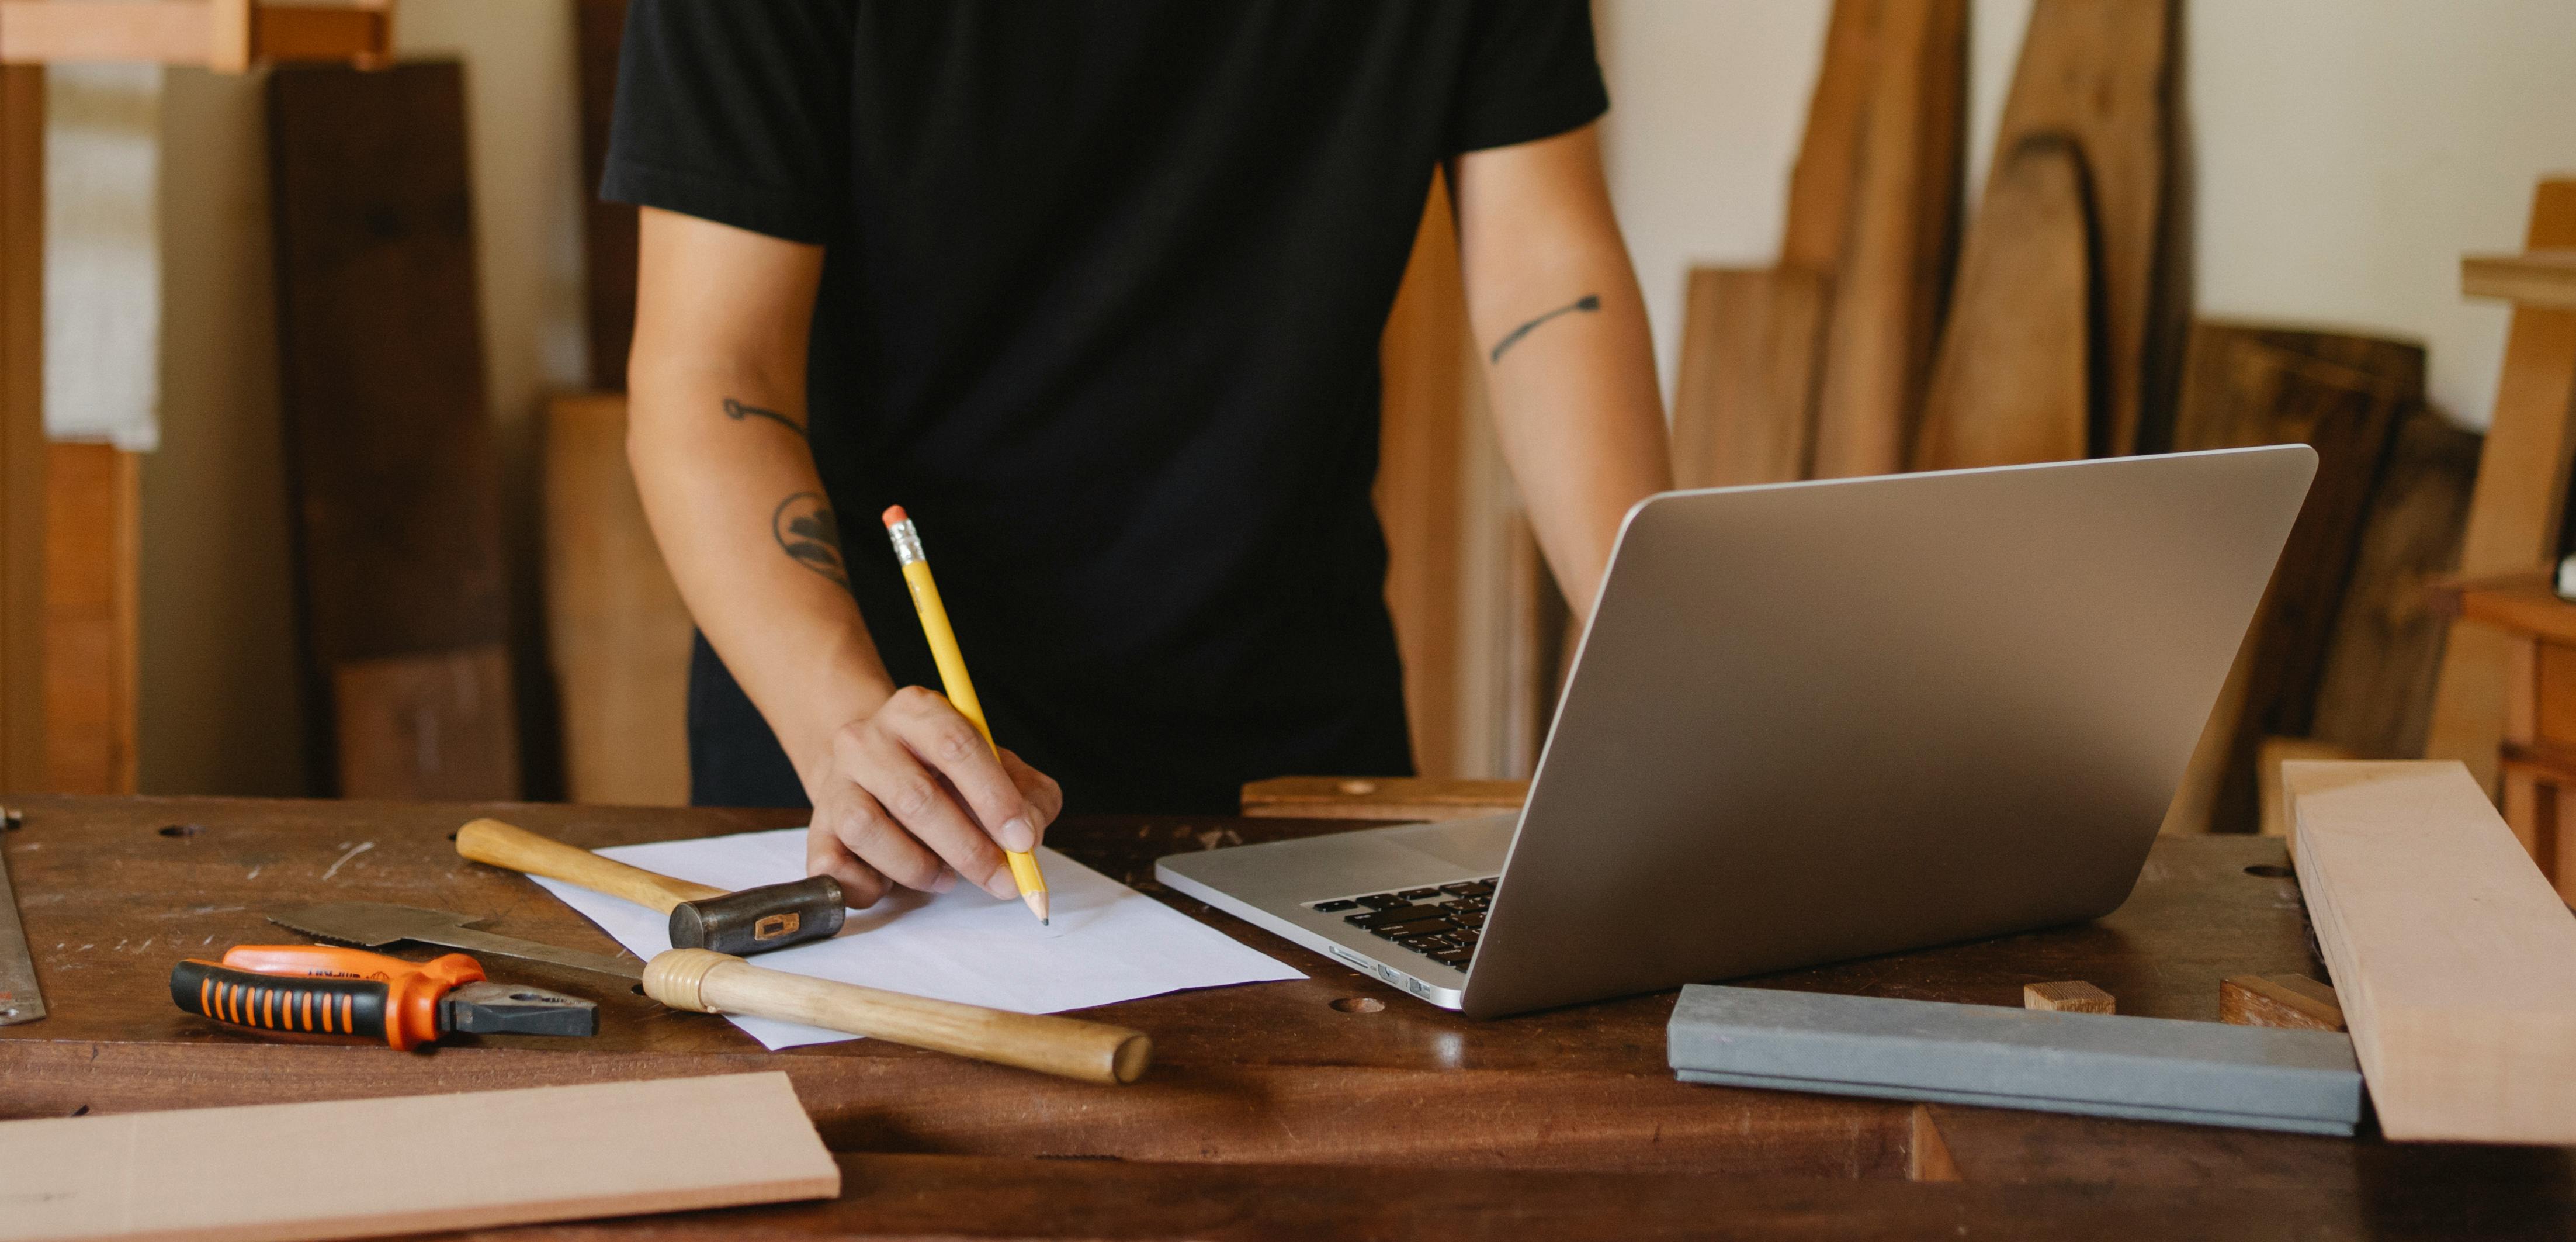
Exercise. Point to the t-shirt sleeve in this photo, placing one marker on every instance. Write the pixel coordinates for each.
(735, 111)
(1529, 73)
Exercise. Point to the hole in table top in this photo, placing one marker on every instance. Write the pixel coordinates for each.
(2270, 871)
(182, 830)
(1359, 1004)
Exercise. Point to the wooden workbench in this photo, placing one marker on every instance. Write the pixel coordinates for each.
(1262, 1097)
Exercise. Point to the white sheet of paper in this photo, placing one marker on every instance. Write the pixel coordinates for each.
(1108, 942)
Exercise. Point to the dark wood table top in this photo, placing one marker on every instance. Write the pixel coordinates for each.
(1285, 1084)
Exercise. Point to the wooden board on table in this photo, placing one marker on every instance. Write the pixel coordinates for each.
(22, 427)
(2244, 386)
(2100, 72)
(2453, 959)
(2375, 695)
(390, 444)
(1892, 278)
(2014, 381)
(615, 624)
(1744, 403)
(607, 229)
(1379, 797)
(1821, 182)
(2517, 511)
(364, 1168)
(93, 546)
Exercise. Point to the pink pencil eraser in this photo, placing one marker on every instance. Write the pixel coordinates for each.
(893, 515)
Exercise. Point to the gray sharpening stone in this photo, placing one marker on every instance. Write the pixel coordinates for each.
(2155, 1069)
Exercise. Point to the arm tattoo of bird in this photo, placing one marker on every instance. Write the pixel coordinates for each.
(806, 530)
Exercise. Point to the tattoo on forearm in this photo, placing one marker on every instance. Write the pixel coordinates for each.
(810, 536)
(1587, 303)
(737, 411)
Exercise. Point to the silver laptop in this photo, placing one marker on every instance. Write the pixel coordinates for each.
(1815, 721)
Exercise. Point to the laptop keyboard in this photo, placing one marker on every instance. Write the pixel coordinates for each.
(1439, 923)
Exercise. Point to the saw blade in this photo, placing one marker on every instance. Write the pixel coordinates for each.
(369, 924)
(20, 1001)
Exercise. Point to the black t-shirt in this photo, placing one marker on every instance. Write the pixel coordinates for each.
(1102, 292)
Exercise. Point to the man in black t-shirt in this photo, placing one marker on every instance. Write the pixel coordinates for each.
(1094, 289)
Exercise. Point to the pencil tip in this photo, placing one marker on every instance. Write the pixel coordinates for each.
(1037, 903)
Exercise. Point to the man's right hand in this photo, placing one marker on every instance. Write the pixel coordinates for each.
(911, 795)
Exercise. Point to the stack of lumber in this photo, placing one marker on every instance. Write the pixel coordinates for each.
(1814, 367)
(1858, 353)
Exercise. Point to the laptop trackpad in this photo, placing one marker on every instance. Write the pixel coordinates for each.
(1477, 845)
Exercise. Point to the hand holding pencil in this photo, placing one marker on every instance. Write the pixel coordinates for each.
(952, 676)
(917, 794)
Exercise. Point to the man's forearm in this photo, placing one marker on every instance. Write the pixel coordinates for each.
(753, 542)
(1562, 333)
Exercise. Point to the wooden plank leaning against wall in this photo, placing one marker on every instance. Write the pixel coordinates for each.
(1477, 621)
(22, 426)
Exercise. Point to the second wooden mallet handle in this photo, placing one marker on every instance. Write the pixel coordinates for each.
(1070, 1047)
(508, 845)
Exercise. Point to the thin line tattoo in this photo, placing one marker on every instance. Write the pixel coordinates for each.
(737, 411)
(810, 535)
(1588, 302)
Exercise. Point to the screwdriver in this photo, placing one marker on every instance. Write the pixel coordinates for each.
(331, 993)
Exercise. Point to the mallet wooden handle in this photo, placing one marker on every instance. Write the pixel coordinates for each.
(714, 983)
(508, 845)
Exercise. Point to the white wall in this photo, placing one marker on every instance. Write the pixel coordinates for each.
(2345, 151)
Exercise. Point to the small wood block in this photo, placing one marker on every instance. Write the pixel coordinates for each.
(467, 1160)
(2072, 996)
(2293, 1002)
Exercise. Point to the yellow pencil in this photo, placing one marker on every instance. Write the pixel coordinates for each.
(952, 677)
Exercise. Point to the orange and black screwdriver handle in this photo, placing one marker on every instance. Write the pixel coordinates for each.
(323, 990)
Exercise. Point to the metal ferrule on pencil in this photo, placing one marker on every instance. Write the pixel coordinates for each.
(907, 541)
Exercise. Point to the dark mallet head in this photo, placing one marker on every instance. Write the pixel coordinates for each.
(757, 920)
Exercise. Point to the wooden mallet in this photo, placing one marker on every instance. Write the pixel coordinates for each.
(754, 920)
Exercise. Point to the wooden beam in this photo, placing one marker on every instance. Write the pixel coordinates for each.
(227, 36)
(92, 590)
(22, 427)
(1893, 278)
(616, 627)
(1422, 405)
(2097, 74)
(392, 462)
(2544, 278)
(2453, 959)
(1744, 408)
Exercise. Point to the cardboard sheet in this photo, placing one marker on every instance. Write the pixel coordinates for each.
(1108, 942)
